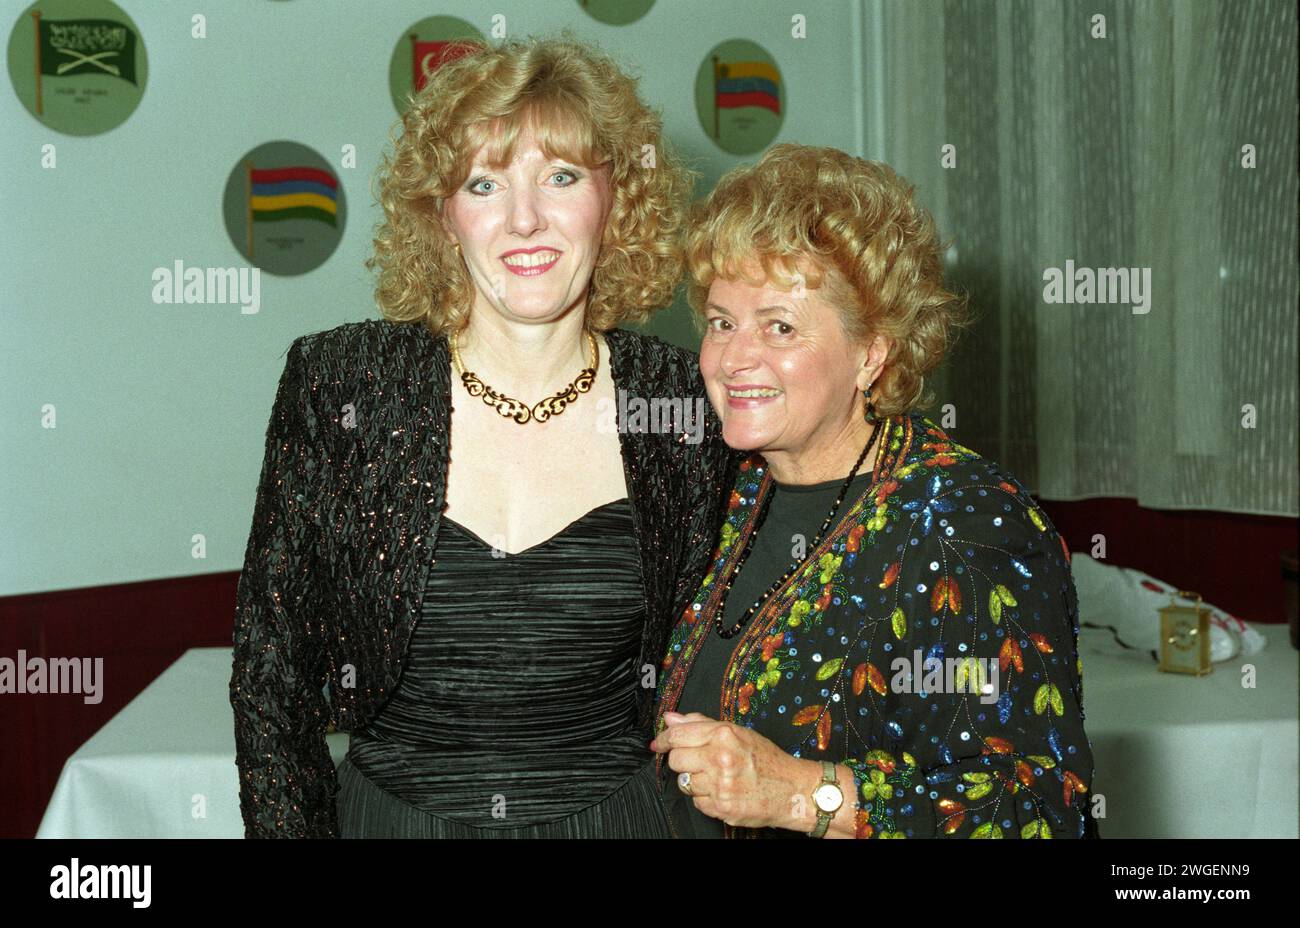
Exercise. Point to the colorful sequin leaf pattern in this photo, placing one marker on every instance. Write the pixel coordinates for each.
(928, 644)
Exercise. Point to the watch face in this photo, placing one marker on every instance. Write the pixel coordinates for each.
(828, 797)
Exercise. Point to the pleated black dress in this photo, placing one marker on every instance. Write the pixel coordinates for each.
(516, 712)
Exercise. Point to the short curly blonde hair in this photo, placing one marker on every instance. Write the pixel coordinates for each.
(850, 224)
(581, 107)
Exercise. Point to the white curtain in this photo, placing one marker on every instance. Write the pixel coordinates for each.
(1117, 152)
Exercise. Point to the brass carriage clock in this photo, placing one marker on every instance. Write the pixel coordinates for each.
(1185, 636)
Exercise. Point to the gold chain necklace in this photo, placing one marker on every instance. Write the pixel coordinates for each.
(518, 410)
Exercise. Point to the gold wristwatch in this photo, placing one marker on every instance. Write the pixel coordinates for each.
(827, 798)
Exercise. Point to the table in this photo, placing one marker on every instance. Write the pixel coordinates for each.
(1176, 756)
(1179, 756)
(163, 767)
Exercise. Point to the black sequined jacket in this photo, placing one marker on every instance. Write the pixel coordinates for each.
(348, 506)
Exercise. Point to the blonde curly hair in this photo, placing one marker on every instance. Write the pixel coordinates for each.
(581, 107)
(819, 216)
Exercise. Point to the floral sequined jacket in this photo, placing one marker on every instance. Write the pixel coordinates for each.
(348, 506)
(929, 644)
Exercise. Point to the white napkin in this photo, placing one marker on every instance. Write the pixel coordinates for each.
(1127, 599)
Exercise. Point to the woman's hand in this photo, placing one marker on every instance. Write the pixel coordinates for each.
(737, 775)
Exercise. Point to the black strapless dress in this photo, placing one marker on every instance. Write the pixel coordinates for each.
(516, 712)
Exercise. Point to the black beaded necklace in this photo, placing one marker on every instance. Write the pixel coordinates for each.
(726, 589)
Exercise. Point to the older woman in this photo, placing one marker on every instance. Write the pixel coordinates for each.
(459, 533)
(885, 644)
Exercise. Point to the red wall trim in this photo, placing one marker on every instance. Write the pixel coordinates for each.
(1234, 561)
(139, 629)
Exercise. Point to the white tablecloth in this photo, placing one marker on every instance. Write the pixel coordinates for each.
(1176, 756)
(168, 756)
(1194, 757)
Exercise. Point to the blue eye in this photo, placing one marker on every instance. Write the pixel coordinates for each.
(571, 174)
(474, 184)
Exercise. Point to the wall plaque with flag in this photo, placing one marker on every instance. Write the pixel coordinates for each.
(78, 66)
(422, 50)
(740, 97)
(284, 208)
